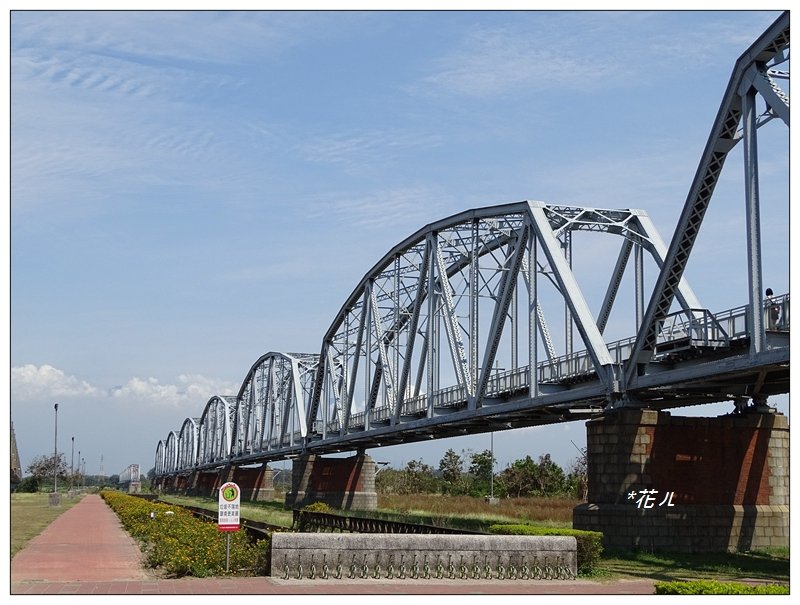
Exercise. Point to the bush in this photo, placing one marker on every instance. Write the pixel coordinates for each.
(589, 543)
(180, 543)
(29, 485)
(714, 587)
(318, 507)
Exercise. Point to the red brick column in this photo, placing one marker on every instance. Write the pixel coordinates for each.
(346, 483)
(255, 483)
(729, 479)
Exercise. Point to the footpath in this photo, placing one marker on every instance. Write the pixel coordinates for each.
(86, 551)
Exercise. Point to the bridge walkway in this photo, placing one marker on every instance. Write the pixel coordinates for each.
(86, 551)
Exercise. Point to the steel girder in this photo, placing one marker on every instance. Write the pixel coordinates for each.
(754, 74)
(419, 336)
(214, 434)
(130, 474)
(271, 407)
(188, 443)
(171, 452)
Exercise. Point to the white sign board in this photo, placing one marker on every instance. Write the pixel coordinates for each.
(228, 516)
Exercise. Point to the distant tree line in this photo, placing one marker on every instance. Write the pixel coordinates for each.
(42, 470)
(470, 473)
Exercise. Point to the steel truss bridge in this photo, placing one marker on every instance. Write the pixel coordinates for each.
(478, 322)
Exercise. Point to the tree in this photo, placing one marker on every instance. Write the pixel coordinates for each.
(418, 478)
(549, 479)
(452, 468)
(578, 477)
(517, 480)
(481, 468)
(43, 467)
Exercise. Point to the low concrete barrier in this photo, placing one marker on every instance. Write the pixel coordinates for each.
(323, 555)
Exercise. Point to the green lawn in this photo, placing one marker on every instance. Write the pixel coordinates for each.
(770, 566)
(31, 513)
(271, 512)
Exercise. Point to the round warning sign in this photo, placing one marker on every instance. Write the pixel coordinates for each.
(228, 516)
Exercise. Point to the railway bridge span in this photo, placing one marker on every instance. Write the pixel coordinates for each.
(483, 321)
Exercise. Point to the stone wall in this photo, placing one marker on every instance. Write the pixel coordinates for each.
(390, 555)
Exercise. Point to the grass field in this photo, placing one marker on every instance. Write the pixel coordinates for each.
(475, 513)
(30, 514)
(771, 566)
(266, 512)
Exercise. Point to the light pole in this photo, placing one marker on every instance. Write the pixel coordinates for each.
(55, 454)
(71, 466)
(491, 453)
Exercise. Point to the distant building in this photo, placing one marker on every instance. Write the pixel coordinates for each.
(16, 470)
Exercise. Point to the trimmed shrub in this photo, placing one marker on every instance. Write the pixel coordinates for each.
(181, 544)
(589, 543)
(714, 587)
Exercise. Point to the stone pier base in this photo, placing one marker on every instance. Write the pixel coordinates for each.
(345, 483)
(663, 482)
(255, 484)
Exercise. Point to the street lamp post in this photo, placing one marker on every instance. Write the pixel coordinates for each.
(55, 453)
(55, 500)
(71, 466)
(491, 453)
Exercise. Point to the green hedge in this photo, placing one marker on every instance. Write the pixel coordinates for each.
(715, 587)
(176, 541)
(590, 543)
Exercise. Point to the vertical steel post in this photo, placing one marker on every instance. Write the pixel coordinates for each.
(638, 265)
(432, 348)
(756, 310)
(567, 247)
(533, 318)
(474, 269)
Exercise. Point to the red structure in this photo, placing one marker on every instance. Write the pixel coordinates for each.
(727, 479)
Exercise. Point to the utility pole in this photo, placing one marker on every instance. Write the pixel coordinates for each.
(71, 466)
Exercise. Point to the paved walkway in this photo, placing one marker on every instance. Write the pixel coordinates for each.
(86, 551)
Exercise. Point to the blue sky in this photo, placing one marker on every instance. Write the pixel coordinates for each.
(190, 190)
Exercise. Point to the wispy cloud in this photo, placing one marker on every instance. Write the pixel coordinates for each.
(499, 61)
(356, 151)
(405, 209)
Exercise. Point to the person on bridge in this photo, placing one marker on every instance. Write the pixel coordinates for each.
(773, 310)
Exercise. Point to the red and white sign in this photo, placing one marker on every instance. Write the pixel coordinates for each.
(228, 516)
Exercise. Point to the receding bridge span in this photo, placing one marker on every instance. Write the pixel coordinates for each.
(480, 321)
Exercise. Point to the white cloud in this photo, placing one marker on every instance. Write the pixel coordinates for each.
(30, 382)
(192, 389)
